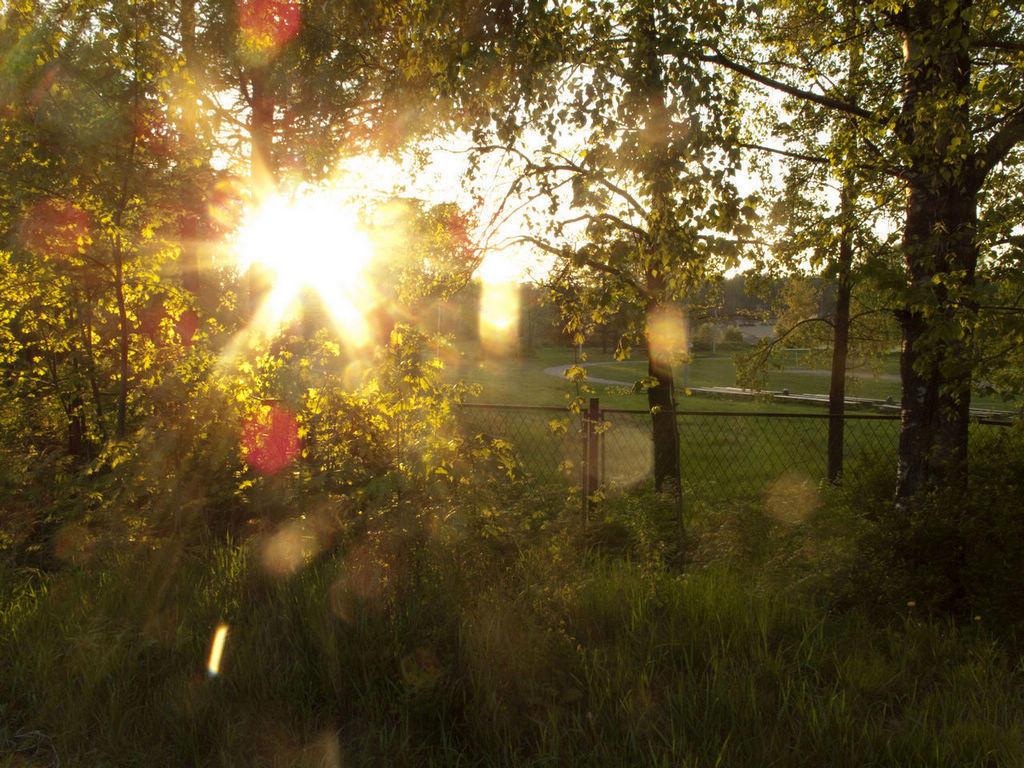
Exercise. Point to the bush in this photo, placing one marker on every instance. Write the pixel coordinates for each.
(710, 336)
(733, 335)
(960, 556)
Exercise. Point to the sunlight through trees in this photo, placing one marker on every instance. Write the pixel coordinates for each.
(258, 257)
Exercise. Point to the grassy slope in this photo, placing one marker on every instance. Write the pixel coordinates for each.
(478, 655)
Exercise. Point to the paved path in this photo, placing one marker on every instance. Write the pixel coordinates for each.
(559, 371)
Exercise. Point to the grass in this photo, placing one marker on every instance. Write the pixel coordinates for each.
(723, 457)
(458, 652)
(522, 381)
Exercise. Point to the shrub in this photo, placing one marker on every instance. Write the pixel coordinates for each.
(709, 336)
(733, 335)
(961, 556)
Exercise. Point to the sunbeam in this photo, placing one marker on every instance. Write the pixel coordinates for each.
(309, 243)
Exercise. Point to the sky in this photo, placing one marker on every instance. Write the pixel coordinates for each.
(372, 178)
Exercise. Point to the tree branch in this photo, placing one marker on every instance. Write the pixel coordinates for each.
(1000, 354)
(564, 164)
(786, 153)
(816, 98)
(579, 257)
(762, 353)
(806, 321)
(618, 222)
(999, 145)
(880, 311)
(600, 178)
(897, 172)
(1016, 241)
(998, 44)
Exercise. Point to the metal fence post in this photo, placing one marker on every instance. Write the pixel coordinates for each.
(591, 448)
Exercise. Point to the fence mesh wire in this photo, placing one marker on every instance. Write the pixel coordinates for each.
(723, 455)
(739, 455)
(548, 440)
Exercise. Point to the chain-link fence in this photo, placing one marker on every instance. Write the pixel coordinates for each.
(723, 455)
(548, 439)
(740, 455)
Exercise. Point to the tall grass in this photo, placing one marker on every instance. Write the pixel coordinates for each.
(486, 645)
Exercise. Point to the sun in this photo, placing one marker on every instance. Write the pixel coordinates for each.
(312, 241)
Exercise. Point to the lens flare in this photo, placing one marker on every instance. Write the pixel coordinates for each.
(666, 335)
(499, 316)
(792, 498)
(421, 668)
(56, 229)
(226, 203)
(499, 304)
(289, 548)
(626, 468)
(266, 25)
(374, 571)
(217, 650)
(270, 439)
(74, 543)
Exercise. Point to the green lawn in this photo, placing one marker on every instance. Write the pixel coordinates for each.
(730, 454)
(522, 381)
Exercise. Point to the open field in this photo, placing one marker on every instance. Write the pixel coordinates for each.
(741, 448)
(522, 381)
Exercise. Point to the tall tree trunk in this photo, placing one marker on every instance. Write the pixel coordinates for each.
(124, 334)
(936, 362)
(646, 87)
(844, 263)
(261, 132)
(90, 360)
(261, 135)
(189, 103)
(940, 249)
(117, 247)
(661, 401)
(188, 260)
(840, 335)
(188, 257)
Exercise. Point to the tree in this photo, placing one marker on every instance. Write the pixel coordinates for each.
(827, 221)
(940, 111)
(92, 194)
(645, 207)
